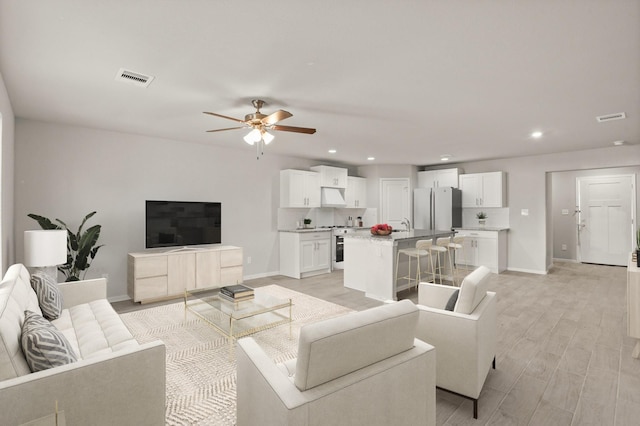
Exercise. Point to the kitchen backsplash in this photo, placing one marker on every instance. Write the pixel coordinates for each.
(288, 218)
(496, 217)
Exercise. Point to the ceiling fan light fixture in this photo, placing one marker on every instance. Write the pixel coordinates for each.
(267, 137)
(253, 137)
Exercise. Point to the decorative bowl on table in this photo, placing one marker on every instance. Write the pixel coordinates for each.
(381, 229)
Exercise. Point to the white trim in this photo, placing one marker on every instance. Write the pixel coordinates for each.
(114, 299)
(263, 275)
(560, 260)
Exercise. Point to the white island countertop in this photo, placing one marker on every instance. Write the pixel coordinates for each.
(397, 236)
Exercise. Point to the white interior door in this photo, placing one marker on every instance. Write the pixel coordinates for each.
(395, 203)
(605, 219)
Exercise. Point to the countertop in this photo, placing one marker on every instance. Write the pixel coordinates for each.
(399, 236)
(303, 230)
(482, 228)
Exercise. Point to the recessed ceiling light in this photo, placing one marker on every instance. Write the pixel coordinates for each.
(618, 143)
(332, 151)
(536, 134)
(445, 157)
(371, 158)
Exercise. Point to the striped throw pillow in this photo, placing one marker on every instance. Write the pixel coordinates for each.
(43, 345)
(49, 295)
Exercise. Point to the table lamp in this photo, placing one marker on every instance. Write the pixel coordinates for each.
(45, 249)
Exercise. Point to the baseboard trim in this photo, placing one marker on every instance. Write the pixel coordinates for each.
(118, 298)
(263, 275)
(560, 260)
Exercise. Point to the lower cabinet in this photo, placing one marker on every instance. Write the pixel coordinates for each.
(156, 275)
(304, 254)
(487, 248)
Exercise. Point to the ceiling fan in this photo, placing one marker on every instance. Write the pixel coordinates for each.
(260, 124)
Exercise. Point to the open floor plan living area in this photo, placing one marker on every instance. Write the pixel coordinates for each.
(333, 213)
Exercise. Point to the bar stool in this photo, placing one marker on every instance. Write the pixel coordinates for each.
(453, 245)
(433, 250)
(411, 253)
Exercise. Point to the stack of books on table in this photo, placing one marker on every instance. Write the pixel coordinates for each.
(236, 293)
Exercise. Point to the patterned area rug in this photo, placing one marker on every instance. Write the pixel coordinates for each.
(201, 377)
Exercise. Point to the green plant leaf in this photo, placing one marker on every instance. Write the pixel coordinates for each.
(44, 222)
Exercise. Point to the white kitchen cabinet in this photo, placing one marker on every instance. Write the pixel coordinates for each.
(484, 189)
(304, 254)
(331, 177)
(438, 178)
(487, 248)
(356, 193)
(299, 188)
(160, 274)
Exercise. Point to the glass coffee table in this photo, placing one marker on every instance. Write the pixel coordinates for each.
(238, 319)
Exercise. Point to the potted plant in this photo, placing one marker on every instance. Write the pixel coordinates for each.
(482, 218)
(81, 246)
(307, 223)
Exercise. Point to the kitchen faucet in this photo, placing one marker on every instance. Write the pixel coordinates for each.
(406, 223)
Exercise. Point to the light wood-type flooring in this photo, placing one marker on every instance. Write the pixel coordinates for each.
(563, 356)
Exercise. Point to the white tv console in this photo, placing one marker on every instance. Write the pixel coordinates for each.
(161, 274)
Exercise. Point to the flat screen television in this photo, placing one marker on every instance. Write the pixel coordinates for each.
(182, 223)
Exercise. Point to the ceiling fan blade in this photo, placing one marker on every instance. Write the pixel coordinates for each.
(224, 116)
(276, 116)
(228, 128)
(294, 129)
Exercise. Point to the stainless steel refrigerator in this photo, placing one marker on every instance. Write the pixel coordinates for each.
(437, 208)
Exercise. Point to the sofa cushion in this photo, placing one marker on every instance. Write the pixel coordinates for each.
(43, 345)
(338, 346)
(472, 290)
(94, 328)
(16, 296)
(49, 295)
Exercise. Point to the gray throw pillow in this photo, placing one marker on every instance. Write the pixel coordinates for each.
(49, 295)
(451, 303)
(43, 345)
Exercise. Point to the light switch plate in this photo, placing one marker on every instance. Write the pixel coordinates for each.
(524, 212)
(565, 212)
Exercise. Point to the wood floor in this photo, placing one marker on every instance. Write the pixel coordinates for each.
(563, 357)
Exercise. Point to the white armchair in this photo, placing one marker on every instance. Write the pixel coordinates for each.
(465, 337)
(364, 368)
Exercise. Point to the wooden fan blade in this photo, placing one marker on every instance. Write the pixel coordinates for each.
(228, 128)
(276, 116)
(224, 116)
(294, 129)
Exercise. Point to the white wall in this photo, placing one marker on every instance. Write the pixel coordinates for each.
(66, 172)
(7, 254)
(527, 189)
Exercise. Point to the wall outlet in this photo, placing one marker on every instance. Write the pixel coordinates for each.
(524, 212)
(248, 260)
(565, 212)
(564, 247)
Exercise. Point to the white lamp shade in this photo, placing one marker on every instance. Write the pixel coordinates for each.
(253, 137)
(45, 247)
(267, 137)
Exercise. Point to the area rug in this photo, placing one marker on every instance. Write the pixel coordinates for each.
(201, 376)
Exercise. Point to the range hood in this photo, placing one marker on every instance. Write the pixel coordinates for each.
(331, 197)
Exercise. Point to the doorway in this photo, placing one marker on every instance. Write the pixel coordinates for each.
(605, 208)
(395, 202)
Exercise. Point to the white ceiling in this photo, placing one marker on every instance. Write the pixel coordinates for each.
(403, 81)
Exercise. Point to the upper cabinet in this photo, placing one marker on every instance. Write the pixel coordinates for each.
(331, 177)
(438, 178)
(299, 188)
(484, 189)
(356, 193)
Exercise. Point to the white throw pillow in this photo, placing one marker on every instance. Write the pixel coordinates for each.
(473, 290)
(43, 345)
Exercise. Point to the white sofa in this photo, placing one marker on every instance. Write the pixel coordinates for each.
(465, 337)
(364, 368)
(115, 380)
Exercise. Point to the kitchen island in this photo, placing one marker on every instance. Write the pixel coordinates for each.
(370, 260)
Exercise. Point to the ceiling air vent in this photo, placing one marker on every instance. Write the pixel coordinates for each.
(610, 117)
(136, 78)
